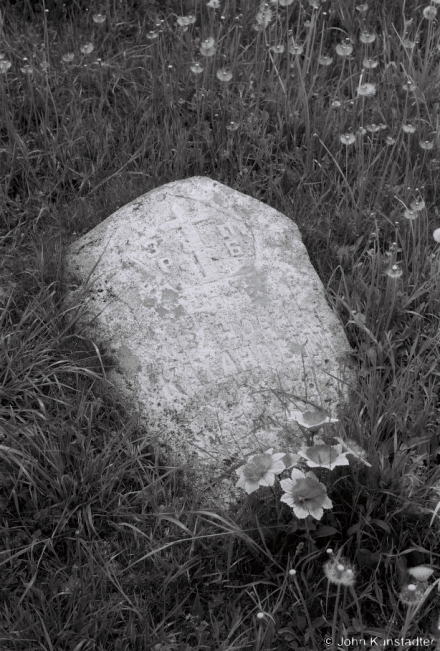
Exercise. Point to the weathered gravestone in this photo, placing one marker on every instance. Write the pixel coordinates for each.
(210, 306)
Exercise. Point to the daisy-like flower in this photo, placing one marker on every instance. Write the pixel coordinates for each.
(370, 63)
(430, 13)
(344, 49)
(224, 75)
(418, 204)
(196, 68)
(421, 573)
(312, 420)
(183, 21)
(410, 214)
(340, 571)
(213, 4)
(324, 456)
(4, 66)
(436, 235)
(278, 49)
(260, 470)
(296, 48)
(347, 138)
(409, 86)
(408, 128)
(354, 449)
(207, 48)
(426, 144)
(394, 272)
(98, 19)
(305, 494)
(367, 37)
(411, 594)
(325, 60)
(366, 90)
(264, 16)
(87, 48)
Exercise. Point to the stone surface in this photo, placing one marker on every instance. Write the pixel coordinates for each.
(209, 305)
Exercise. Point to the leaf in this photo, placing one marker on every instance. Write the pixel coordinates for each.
(354, 528)
(383, 525)
(324, 531)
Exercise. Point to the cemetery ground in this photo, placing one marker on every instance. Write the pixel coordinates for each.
(329, 113)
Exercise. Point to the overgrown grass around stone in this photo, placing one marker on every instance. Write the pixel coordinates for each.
(327, 111)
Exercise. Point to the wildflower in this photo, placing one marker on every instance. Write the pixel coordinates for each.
(296, 48)
(196, 68)
(344, 49)
(394, 272)
(410, 214)
(324, 456)
(260, 470)
(362, 8)
(232, 126)
(87, 48)
(417, 205)
(98, 18)
(340, 571)
(436, 235)
(421, 573)
(27, 70)
(426, 144)
(409, 44)
(184, 21)
(325, 60)
(312, 420)
(263, 17)
(347, 138)
(336, 103)
(374, 128)
(366, 90)
(207, 48)
(370, 63)
(4, 66)
(213, 4)
(224, 75)
(367, 37)
(409, 86)
(412, 594)
(354, 449)
(389, 140)
(430, 13)
(408, 128)
(278, 49)
(305, 494)
(152, 35)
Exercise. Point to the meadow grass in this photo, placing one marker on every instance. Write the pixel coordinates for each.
(329, 112)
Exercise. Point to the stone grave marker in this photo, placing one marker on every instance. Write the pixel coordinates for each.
(210, 308)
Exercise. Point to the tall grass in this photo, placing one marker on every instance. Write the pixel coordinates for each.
(329, 112)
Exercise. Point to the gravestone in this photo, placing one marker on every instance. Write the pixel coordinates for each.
(211, 310)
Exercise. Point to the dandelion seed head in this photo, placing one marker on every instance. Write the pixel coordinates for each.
(344, 49)
(366, 90)
(430, 13)
(367, 37)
